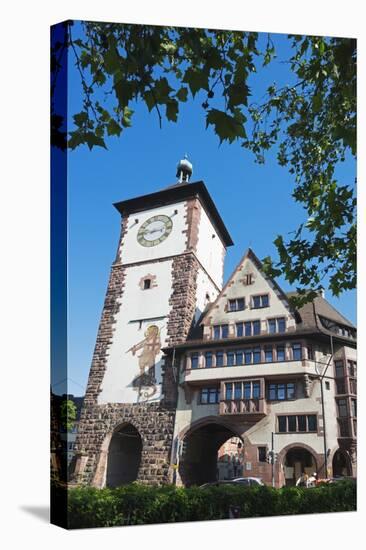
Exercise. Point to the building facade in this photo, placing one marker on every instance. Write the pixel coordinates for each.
(182, 365)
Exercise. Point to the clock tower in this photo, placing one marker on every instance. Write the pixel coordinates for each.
(168, 267)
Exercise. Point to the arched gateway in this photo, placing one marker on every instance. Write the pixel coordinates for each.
(124, 456)
(199, 456)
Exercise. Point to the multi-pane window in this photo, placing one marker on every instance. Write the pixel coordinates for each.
(280, 352)
(342, 407)
(354, 407)
(268, 354)
(242, 390)
(209, 395)
(239, 329)
(208, 359)
(353, 386)
(297, 423)
(281, 392)
(237, 304)
(252, 328)
(296, 352)
(194, 361)
(260, 301)
(220, 359)
(340, 385)
(220, 331)
(310, 353)
(248, 356)
(276, 325)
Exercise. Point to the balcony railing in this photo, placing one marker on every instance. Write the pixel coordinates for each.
(243, 406)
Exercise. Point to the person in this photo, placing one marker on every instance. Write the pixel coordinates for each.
(303, 480)
(312, 481)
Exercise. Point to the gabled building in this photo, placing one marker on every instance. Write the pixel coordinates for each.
(281, 379)
(181, 365)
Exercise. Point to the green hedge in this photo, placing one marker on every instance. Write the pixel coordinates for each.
(138, 504)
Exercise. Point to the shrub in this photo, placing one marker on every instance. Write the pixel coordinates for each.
(135, 503)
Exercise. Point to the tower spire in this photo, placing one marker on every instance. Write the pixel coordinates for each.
(184, 169)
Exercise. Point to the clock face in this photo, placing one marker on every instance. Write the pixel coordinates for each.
(155, 230)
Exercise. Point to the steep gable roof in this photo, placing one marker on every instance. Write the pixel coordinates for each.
(249, 264)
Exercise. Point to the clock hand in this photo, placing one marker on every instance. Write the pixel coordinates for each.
(147, 232)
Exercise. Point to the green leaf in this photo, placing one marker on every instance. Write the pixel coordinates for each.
(126, 118)
(76, 139)
(197, 79)
(172, 110)
(92, 140)
(80, 118)
(182, 94)
(227, 127)
(113, 128)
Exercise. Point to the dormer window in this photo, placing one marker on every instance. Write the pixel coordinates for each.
(262, 300)
(237, 304)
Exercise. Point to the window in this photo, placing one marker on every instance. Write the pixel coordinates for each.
(301, 423)
(256, 327)
(257, 355)
(260, 301)
(238, 304)
(268, 354)
(354, 407)
(339, 371)
(327, 385)
(342, 407)
(352, 370)
(296, 352)
(194, 361)
(252, 328)
(312, 423)
(282, 424)
(247, 390)
(239, 329)
(280, 353)
(239, 358)
(237, 390)
(256, 390)
(343, 425)
(242, 390)
(353, 386)
(340, 385)
(220, 331)
(224, 331)
(247, 356)
(209, 396)
(147, 284)
(310, 353)
(262, 454)
(276, 325)
(281, 392)
(208, 359)
(297, 423)
(248, 279)
(220, 359)
(228, 391)
(230, 358)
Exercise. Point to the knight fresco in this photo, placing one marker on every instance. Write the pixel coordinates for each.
(150, 346)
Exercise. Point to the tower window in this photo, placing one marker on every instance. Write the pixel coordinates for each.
(147, 284)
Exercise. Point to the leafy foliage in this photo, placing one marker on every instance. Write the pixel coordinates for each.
(139, 504)
(68, 414)
(312, 122)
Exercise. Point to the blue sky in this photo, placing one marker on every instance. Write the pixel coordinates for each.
(254, 200)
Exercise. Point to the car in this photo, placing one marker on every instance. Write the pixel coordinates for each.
(249, 480)
(246, 481)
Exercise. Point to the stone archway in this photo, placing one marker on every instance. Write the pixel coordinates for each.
(124, 456)
(341, 464)
(199, 455)
(297, 459)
